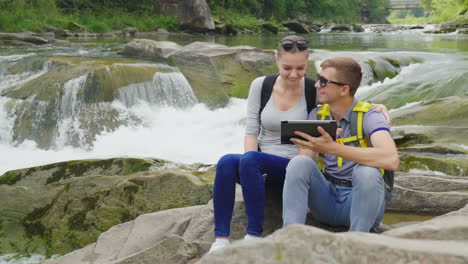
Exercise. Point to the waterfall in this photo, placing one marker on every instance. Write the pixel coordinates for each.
(166, 89)
(68, 109)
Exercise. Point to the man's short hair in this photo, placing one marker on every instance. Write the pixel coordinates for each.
(348, 71)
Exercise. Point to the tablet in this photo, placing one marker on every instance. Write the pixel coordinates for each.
(307, 126)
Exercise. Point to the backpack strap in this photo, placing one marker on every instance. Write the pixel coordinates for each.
(310, 94)
(267, 88)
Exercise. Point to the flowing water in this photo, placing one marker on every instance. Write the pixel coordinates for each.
(161, 117)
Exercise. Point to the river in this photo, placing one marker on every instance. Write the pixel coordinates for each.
(197, 133)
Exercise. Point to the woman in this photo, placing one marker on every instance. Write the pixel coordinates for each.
(254, 170)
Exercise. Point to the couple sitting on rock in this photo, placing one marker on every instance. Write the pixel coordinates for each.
(344, 186)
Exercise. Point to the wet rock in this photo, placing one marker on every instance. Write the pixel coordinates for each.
(270, 28)
(97, 81)
(341, 28)
(23, 38)
(63, 33)
(296, 27)
(150, 48)
(212, 69)
(358, 28)
(226, 29)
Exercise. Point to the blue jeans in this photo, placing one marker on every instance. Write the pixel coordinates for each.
(359, 207)
(246, 169)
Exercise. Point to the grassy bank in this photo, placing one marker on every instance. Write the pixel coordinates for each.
(17, 19)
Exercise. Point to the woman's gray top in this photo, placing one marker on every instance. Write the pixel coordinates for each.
(268, 128)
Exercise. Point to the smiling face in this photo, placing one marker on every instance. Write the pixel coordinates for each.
(292, 66)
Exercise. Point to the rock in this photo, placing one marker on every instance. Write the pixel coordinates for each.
(296, 27)
(23, 38)
(270, 28)
(303, 244)
(358, 28)
(451, 226)
(435, 194)
(21, 43)
(65, 206)
(63, 33)
(149, 48)
(49, 28)
(130, 30)
(213, 70)
(194, 15)
(341, 28)
(75, 27)
(151, 239)
(162, 31)
(462, 31)
(226, 29)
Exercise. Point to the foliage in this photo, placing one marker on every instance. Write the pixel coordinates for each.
(341, 11)
(16, 15)
(443, 10)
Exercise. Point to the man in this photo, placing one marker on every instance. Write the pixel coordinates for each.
(350, 191)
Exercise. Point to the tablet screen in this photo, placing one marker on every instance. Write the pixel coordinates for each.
(307, 126)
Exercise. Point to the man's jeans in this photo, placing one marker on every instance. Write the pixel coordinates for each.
(359, 207)
(246, 169)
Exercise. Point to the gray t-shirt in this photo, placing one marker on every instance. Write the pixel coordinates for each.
(372, 121)
(268, 127)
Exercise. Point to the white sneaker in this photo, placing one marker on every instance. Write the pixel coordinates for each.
(219, 243)
(251, 237)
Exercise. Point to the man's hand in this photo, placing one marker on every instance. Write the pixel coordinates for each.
(322, 144)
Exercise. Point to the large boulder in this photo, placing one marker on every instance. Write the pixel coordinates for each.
(191, 232)
(65, 206)
(306, 244)
(194, 15)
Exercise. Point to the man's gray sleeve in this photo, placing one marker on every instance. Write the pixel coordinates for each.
(373, 122)
(252, 127)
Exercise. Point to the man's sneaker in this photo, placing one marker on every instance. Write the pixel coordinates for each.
(219, 243)
(250, 237)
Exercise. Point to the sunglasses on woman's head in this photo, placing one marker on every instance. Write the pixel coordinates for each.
(323, 81)
(288, 44)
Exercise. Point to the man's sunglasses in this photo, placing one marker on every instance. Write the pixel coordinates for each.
(323, 81)
(289, 44)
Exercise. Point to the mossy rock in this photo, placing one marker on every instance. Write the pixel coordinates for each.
(451, 111)
(65, 206)
(450, 164)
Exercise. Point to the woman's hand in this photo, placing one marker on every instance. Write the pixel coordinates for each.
(383, 109)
